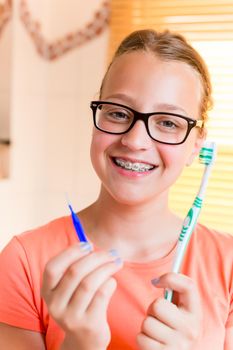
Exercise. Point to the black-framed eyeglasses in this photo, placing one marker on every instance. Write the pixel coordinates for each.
(163, 127)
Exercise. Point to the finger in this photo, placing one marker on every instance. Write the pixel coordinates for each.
(158, 331)
(57, 266)
(90, 286)
(188, 296)
(75, 275)
(167, 313)
(100, 302)
(146, 343)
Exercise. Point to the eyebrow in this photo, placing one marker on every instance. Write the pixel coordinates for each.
(123, 97)
(162, 107)
(171, 108)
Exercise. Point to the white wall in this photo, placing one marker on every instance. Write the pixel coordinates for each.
(50, 120)
(5, 79)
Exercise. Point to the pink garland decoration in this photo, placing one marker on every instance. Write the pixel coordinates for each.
(56, 49)
(5, 14)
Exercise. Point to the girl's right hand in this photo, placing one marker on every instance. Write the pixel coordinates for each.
(77, 287)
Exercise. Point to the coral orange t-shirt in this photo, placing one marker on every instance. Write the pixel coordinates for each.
(208, 260)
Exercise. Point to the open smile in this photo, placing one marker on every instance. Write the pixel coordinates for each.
(135, 166)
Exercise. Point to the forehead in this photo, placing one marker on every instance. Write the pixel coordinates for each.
(148, 80)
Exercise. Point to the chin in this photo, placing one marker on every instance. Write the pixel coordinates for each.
(131, 202)
(130, 198)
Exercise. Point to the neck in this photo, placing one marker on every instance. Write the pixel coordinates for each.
(131, 228)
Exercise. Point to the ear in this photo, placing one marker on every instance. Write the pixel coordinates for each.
(201, 137)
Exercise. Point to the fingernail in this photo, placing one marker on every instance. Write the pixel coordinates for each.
(113, 252)
(118, 261)
(85, 246)
(155, 281)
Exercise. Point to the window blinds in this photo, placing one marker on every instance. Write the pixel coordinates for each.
(208, 25)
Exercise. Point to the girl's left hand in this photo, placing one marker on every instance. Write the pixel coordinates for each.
(171, 326)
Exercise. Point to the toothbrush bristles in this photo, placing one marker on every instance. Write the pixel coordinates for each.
(207, 153)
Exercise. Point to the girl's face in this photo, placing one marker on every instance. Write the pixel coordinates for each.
(147, 84)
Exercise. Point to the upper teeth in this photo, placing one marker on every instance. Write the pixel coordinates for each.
(133, 166)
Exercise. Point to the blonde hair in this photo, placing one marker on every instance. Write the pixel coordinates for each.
(170, 47)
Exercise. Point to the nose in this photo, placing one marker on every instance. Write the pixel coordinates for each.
(137, 138)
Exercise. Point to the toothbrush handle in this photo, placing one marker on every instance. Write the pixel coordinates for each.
(168, 294)
(186, 232)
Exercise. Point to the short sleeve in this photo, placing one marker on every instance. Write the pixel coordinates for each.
(17, 306)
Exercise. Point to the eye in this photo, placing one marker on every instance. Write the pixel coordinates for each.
(169, 124)
(116, 114)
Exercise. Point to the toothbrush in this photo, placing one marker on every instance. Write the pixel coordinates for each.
(206, 157)
(77, 225)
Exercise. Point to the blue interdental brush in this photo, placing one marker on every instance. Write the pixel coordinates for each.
(77, 225)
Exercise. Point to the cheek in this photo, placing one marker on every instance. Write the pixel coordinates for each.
(101, 140)
(174, 157)
(99, 144)
(95, 149)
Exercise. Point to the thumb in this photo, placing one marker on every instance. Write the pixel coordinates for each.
(187, 295)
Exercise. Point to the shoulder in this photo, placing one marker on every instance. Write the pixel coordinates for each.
(210, 253)
(207, 237)
(22, 264)
(42, 243)
(55, 232)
